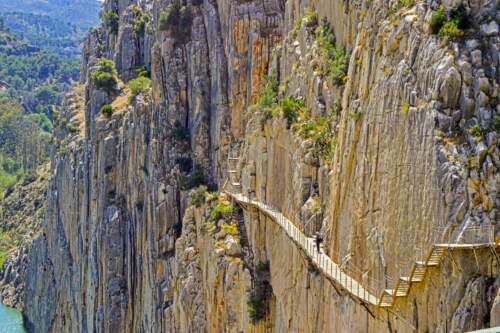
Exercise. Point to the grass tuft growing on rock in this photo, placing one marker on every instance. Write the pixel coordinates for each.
(320, 132)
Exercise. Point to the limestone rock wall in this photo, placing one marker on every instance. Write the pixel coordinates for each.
(123, 247)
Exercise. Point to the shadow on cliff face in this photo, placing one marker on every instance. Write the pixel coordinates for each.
(40, 290)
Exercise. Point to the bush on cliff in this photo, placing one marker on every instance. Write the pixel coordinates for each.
(451, 26)
(105, 75)
(197, 197)
(110, 19)
(335, 58)
(140, 19)
(221, 210)
(107, 110)
(139, 85)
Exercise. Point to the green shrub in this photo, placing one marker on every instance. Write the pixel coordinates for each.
(142, 72)
(335, 59)
(356, 115)
(495, 126)
(221, 210)
(476, 131)
(230, 228)
(438, 19)
(319, 131)
(311, 19)
(257, 306)
(451, 29)
(406, 2)
(453, 26)
(3, 257)
(110, 19)
(198, 195)
(140, 19)
(269, 96)
(291, 108)
(42, 121)
(296, 27)
(139, 85)
(169, 16)
(339, 64)
(107, 110)
(105, 76)
(72, 128)
(405, 108)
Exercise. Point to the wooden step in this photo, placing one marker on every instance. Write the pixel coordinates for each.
(405, 279)
(393, 293)
(398, 293)
(426, 264)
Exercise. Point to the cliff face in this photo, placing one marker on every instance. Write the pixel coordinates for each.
(22, 211)
(399, 145)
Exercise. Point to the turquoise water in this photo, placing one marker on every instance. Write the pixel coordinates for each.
(11, 320)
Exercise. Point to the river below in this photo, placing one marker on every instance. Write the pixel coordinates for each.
(11, 320)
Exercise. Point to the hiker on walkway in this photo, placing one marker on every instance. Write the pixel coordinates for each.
(318, 239)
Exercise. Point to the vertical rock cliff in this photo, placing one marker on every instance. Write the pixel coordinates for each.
(374, 123)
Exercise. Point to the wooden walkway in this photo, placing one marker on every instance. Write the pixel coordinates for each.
(332, 271)
(384, 298)
(322, 261)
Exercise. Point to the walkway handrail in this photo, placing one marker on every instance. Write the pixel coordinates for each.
(358, 283)
(319, 259)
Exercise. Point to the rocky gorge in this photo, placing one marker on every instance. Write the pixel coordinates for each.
(374, 123)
